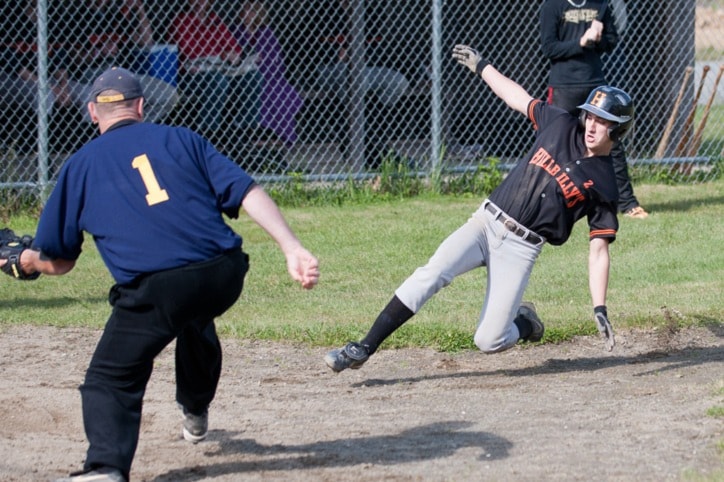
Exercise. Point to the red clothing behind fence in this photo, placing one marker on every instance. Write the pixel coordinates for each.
(203, 38)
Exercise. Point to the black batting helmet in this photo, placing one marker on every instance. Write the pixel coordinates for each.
(611, 104)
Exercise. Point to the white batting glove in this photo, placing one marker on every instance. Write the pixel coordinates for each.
(470, 58)
(604, 326)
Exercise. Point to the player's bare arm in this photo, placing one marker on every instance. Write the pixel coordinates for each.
(599, 263)
(301, 264)
(512, 93)
(598, 269)
(33, 261)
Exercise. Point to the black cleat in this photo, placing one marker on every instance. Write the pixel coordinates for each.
(352, 355)
(196, 427)
(527, 311)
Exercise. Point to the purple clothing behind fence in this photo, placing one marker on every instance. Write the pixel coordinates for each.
(280, 101)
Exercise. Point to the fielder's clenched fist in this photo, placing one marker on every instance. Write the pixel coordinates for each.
(303, 267)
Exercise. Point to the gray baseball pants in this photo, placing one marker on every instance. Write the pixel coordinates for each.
(482, 241)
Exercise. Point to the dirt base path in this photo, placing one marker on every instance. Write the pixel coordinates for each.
(563, 412)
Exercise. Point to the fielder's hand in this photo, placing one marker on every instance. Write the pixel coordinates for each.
(11, 247)
(470, 58)
(604, 326)
(303, 267)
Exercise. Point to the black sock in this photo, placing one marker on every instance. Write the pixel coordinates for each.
(393, 316)
(524, 327)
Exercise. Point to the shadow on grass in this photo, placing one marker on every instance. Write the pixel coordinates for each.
(683, 205)
(47, 303)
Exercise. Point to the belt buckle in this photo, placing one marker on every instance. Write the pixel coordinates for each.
(510, 225)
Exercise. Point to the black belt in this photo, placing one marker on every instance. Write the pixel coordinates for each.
(513, 226)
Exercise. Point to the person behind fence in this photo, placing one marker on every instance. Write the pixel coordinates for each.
(280, 101)
(377, 79)
(388, 84)
(574, 35)
(213, 71)
(19, 81)
(566, 175)
(118, 32)
(153, 198)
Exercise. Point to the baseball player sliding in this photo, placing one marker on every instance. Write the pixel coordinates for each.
(153, 198)
(566, 175)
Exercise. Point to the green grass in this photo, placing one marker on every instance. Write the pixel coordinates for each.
(715, 412)
(667, 272)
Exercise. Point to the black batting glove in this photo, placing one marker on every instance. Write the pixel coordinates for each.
(470, 58)
(604, 326)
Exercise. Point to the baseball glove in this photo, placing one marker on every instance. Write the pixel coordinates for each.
(11, 247)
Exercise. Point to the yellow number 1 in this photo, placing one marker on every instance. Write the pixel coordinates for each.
(155, 193)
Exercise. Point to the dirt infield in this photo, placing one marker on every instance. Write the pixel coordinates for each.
(563, 412)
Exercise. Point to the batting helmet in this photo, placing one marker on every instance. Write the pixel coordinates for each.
(611, 104)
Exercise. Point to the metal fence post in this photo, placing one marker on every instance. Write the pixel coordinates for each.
(436, 104)
(44, 92)
(355, 81)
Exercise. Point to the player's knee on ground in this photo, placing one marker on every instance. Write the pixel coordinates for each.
(488, 343)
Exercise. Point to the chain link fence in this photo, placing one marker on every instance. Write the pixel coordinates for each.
(330, 89)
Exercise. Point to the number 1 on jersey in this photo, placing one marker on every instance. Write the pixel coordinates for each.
(155, 193)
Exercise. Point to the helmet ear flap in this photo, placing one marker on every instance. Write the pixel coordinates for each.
(615, 131)
(619, 131)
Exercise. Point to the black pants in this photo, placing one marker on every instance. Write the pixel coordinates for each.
(569, 99)
(147, 315)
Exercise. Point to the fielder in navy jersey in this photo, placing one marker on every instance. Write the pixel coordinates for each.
(567, 175)
(153, 198)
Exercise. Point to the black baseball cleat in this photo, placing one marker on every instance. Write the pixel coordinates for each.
(352, 355)
(195, 426)
(527, 311)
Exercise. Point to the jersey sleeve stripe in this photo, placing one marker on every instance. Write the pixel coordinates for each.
(602, 233)
(531, 106)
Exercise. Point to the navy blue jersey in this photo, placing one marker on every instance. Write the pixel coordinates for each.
(554, 186)
(152, 197)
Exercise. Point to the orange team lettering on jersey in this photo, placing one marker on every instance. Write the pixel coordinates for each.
(571, 193)
(542, 159)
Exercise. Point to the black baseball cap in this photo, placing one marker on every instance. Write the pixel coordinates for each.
(119, 79)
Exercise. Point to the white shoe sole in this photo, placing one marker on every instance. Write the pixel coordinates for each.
(194, 438)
